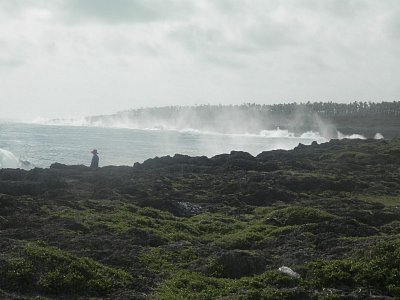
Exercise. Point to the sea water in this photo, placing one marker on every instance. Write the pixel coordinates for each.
(41, 145)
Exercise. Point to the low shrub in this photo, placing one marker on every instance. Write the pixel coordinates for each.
(298, 215)
(51, 270)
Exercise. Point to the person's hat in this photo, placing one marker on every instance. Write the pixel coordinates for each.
(94, 151)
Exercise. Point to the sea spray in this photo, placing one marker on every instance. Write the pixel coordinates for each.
(8, 160)
(323, 135)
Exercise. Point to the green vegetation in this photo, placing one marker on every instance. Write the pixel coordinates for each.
(297, 215)
(39, 267)
(377, 268)
(120, 217)
(190, 285)
(162, 259)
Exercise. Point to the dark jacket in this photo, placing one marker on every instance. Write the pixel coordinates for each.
(95, 161)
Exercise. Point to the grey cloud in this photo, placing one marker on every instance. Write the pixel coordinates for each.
(393, 24)
(198, 39)
(267, 35)
(11, 58)
(210, 45)
(335, 7)
(228, 47)
(13, 6)
(218, 45)
(17, 6)
(105, 11)
(119, 11)
(338, 8)
(334, 41)
(10, 63)
(228, 6)
(395, 28)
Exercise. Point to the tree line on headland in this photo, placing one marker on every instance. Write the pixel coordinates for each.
(340, 109)
(323, 108)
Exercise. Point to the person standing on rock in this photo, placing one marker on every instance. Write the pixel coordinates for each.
(95, 159)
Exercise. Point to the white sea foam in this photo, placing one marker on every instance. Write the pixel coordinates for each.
(378, 136)
(350, 136)
(311, 135)
(65, 122)
(191, 130)
(277, 133)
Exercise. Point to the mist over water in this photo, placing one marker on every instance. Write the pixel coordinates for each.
(290, 121)
(242, 119)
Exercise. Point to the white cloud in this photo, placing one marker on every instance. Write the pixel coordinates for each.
(79, 57)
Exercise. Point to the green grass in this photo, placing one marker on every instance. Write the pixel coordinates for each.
(167, 259)
(195, 286)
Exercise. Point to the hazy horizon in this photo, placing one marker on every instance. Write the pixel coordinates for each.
(76, 58)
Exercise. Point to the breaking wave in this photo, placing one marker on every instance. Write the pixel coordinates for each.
(284, 133)
(128, 124)
(277, 133)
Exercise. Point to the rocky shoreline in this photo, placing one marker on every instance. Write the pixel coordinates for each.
(208, 228)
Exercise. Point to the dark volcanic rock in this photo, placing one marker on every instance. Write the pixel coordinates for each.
(180, 209)
(18, 188)
(207, 228)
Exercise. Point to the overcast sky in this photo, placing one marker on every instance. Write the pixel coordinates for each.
(61, 58)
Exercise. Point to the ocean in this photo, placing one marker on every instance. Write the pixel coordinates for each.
(33, 145)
